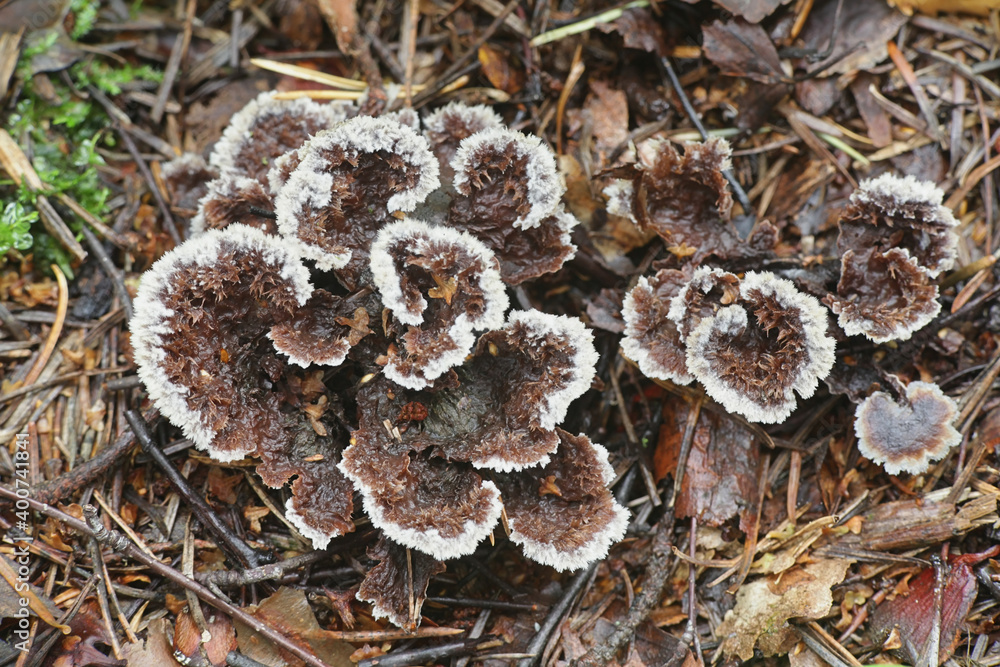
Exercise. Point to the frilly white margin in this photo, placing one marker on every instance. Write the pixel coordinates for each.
(903, 330)
(730, 320)
(431, 542)
(635, 351)
(240, 128)
(222, 187)
(544, 187)
(310, 185)
(319, 539)
(183, 162)
(596, 549)
(419, 235)
(914, 466)
(890, 193)
(477, 117)
(620, 194)
(151, 319)
(541, 326)
(335, 358)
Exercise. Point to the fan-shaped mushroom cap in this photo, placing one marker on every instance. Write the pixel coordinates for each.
(906, 436)
(346, 185)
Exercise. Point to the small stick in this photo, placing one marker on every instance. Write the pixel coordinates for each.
(236, 548)
(174, 576)
(104, 261)
(421, 655)
(55, 332)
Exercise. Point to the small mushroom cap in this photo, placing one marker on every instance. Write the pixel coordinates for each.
(906, 438)
(562, 514)
(444, 284)
(196, 313)
(346, 185)
(265, 129)
(895, 238)
(753, 356)
(228, 200)
(446, 127)
(187, 177)
(397, 586)
(499, 166)
(652, 339)
(322, 332)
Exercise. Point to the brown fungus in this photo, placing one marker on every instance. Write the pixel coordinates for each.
(685, 200)
(396, 587)
(266, 129)
(501, 415)
(754, 355)
(445, 128)
(507, 193)
(562, 514)
(187, 177)
(231, 199)
(652, 340)
(895, 237)
(752, 342)
(347, 183)
(444, 284)
(905, 436)
(199, 335)
(322, 332)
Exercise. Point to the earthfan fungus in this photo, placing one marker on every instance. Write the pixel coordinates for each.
(229, 333)
(442, 283)
(507, 194)
(685, 200)
(347, 183)
(199, 335)
(187, 177)
(446, 127)
(895, 237)
(231, 199)
(906, 435)
(752, 342)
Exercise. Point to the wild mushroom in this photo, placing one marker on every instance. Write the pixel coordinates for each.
(906, 435)
(346, 185)
(266, 129)
(187, 177)
(229, 200)
(446, 127)
(418, 468)
(895, 237)
(685, 200)
(444, 284)
(199, 336)
(752, 342)
(507, 193)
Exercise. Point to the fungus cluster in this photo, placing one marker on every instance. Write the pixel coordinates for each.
(895, 238)
(354, 335)
(755, 339)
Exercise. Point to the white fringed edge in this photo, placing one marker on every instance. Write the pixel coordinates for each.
(432, 542)
(477, 117)
(310, 185)
(224, 186)
(596, 549)
(319, 539)
(336, 358)
(184, 161)
(544, 186)
(917, 466)
(902, 330)
(584, 358)
(635, 351)
(420, 234)
(240, 129)
(151, 318)
(620, 194)
(730, 320)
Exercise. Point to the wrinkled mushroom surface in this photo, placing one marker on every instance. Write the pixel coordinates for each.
(895, 238)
